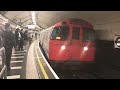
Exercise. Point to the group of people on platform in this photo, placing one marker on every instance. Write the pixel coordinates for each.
(10, 40)
(21, 39)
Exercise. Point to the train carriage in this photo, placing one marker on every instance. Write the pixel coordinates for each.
(69, 40)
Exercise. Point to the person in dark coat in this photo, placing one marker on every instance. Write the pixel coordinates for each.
(25, 37)
(8, 43)
(16, 38)
(21, 40)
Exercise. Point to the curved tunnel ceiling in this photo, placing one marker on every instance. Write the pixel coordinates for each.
(46, 19)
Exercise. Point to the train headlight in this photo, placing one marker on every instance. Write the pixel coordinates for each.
(63, 47)
(85, 48)
(118, 44)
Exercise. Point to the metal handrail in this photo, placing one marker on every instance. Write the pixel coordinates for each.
(3, 72)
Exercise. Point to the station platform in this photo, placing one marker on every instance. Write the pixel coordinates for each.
(30, 64)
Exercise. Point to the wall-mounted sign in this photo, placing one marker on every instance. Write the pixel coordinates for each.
(117, 41)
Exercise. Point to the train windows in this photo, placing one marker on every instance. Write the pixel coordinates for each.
(76, 33)
(88, 35)
(60, 33)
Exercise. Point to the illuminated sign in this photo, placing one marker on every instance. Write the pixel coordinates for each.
(58, 37)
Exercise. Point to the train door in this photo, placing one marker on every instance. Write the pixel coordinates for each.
(75, 42)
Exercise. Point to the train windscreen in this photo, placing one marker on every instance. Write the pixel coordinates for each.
(88, 35)
(60, 33)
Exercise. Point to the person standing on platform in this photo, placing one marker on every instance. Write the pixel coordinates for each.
(16, 38)
(8, 43)
(21, 40)
(25, 38)
(30, 38)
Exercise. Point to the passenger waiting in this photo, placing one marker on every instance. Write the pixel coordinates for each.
(8, 43)
(25, 38)
(16, 38)
(21, 40)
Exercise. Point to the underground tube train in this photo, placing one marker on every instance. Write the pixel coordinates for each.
(70, 40)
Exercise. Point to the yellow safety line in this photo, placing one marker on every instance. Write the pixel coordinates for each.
(41, 66)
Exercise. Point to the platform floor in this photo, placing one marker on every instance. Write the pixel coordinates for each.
(16, 64)
(17, 60)
(29, 64)
(29, 70)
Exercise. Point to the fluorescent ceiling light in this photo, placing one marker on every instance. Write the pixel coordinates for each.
(31, 26)
(33, 17)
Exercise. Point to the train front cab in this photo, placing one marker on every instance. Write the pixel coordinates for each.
(78, 44)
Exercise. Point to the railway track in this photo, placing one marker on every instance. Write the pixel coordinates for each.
(104, 68)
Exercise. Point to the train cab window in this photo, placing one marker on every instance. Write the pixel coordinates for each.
(76, 33)
(60, 33)
(88, 35)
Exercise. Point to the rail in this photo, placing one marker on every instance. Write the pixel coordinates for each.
(3, 72)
